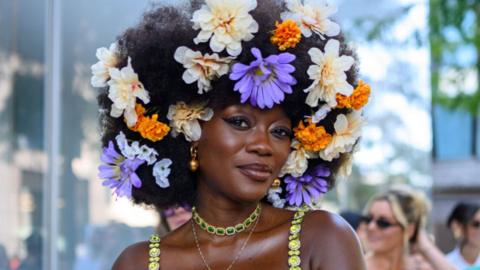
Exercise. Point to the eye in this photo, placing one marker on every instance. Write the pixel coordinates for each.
(239, 122)
(282, 133)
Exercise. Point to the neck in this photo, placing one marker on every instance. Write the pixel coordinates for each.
(470, 252)
(219, 210)
(391, 260)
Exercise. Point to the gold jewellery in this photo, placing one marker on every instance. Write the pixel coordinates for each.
(231, 230)
(254, 215)
(193, 161)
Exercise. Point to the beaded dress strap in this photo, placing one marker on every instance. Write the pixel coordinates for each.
(154, 252)
(294, 241)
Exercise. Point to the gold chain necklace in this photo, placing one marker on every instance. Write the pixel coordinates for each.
(239, 252)
(231, 230)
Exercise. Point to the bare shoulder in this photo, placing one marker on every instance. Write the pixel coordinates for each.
(133, 257)
(330, 242)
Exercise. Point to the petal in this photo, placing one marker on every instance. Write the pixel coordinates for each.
(135, 180)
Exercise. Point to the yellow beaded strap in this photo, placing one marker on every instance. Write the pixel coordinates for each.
(154, 253)
(294, 241)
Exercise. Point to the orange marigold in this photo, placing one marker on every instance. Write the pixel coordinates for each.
(360, 95)
(343, 101)
(311, 137)
(357, 100)
(149, 126)
(286, 35)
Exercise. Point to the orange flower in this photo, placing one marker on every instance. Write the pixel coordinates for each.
(357, 100)
(360, 95)
(343, 101)
(286, 35)
(149, 127)
(312, 138)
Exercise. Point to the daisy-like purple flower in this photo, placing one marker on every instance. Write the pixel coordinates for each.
(119, 172)
(265, 81)
(308, 187)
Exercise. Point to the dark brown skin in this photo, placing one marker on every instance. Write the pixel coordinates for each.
(231, 141)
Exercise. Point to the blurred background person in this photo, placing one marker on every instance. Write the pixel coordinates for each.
(396, 234)
(3, 259)
(464, 222)
(175, 217)
(357, 221)
(33, 261)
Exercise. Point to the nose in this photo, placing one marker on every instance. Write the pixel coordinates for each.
(259, 142)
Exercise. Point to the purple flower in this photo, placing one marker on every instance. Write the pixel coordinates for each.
(119, 172)
(264, 81)
(308, 187)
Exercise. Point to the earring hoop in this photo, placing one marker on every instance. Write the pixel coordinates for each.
(276, 183)
(193, 161)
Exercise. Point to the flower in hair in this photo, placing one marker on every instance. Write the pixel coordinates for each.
(346, 168)
(135, 151)
(108, 58)
(226, 23)
(118, 171)
(286, 35)
(312, 16)
(347, 132)
(148, 126)
(273, 196)
(328, 74)
(124, 90)
(297, 162)
(201, 68)
(357, 100)
(184, 119)
(265, 80)
(161, 171)
(307, 188)
(311, 137)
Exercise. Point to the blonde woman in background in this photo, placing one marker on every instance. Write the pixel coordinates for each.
(396, 235)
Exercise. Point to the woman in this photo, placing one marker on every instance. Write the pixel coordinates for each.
(464, 222)
(396, 235)
(239, 109)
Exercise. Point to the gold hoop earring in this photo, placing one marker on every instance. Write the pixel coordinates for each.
(276, 183)
(193, 161)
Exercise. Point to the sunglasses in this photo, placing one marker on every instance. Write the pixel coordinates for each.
(381, 222)
(475, 224)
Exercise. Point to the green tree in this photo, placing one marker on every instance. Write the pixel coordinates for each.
(455, 29)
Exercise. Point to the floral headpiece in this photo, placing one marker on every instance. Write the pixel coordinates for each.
(264, 82)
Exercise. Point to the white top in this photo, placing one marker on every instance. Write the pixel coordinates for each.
(456, 258)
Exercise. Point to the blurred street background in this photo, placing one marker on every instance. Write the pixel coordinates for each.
(421, 58)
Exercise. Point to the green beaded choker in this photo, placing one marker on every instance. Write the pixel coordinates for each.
(231, 230)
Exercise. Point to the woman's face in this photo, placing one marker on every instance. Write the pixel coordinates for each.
(242, 150)
(472, 230)
(384, 233)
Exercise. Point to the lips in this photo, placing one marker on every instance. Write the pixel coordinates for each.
(256, 171)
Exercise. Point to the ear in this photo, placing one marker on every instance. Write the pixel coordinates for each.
(457, 229)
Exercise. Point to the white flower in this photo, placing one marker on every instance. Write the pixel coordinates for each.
(124, 90)
(347, 131)
(226, 23)
(321, 113)
(184, 119)
(161, 171)
(297, 162)
(274, 197)
(346, 168)
(312, 16)
(135, 150)
(201, 68)
(108, 58)
(328, 74)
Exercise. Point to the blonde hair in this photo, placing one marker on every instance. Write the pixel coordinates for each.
(409, 207)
